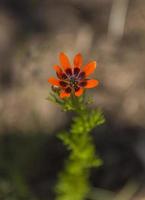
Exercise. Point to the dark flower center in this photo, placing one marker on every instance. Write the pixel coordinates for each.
(68, 90)
(64, 76)
(72, 79)
(81, 75)
(68, 72)
(76, 71)
(63, 83)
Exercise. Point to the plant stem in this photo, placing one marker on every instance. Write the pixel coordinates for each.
(73, 183)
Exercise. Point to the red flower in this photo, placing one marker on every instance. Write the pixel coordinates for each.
(73, 80)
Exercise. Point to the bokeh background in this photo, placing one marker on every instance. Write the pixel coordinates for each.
(32, 33)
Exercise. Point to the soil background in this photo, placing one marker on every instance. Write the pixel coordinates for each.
(32, 33)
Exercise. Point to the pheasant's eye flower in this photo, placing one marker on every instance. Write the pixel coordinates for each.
(73, 80)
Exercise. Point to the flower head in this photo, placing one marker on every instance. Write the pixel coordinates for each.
(73, 80)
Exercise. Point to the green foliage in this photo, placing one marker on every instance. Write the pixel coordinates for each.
(68, 104)
(73, 182)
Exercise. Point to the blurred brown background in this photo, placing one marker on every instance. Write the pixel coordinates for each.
(32, 33)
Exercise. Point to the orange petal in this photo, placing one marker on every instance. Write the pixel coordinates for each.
(54, 81)
(58, 70)
(92, 83)
(78, 60)
(63, 94)
(64, 61)
(79, 92)
(89, 68)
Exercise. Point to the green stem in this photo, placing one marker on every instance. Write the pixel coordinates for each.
(73, 182)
